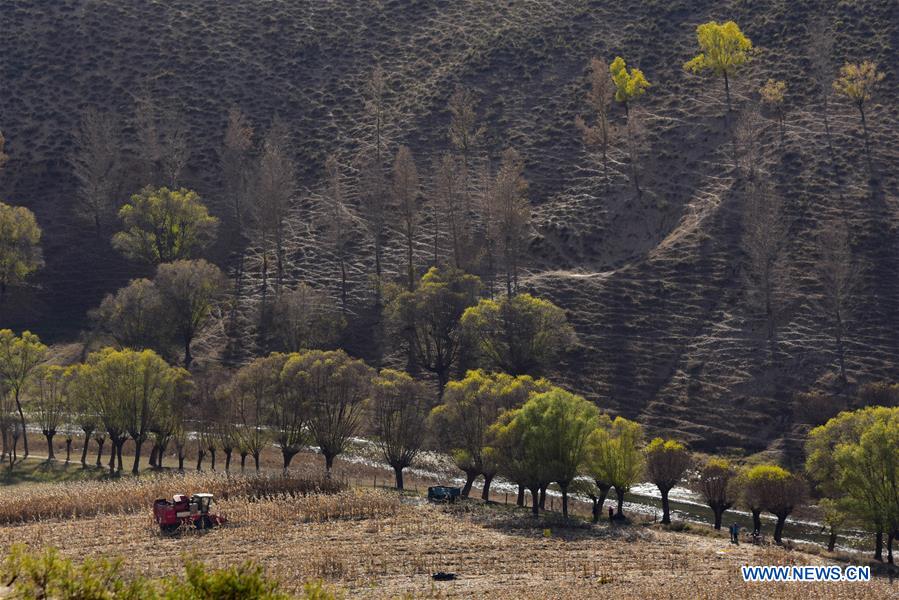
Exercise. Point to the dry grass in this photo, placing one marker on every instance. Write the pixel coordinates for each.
(373, 546)
(127, 495)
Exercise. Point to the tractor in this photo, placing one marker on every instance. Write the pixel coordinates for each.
(195, 511)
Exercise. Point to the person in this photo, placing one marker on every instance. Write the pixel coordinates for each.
(735, 534)
(611, 514)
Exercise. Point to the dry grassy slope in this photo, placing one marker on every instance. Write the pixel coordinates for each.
(652, 285)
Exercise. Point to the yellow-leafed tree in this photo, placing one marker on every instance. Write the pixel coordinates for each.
(724, 50)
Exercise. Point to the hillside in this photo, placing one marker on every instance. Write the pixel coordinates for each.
(653, 283)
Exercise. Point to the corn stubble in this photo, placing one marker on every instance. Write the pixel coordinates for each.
(372, 544)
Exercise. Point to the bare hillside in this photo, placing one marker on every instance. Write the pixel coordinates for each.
(653, 282)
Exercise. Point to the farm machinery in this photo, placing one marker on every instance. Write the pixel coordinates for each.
(194, 511)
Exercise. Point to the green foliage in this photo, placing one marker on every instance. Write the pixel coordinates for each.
(724, 48)
(771, 488)
(518, 334)
(134, 316)
(163, 225)
(428, 318)
(629, 85)
(773, 92)
(34, 576)
(20, 251)
(614, 454)
(715, 483)
(857, 81)
(666, 462)
(400, 406)
(470, 406)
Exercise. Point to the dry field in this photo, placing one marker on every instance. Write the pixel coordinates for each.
(371, 545)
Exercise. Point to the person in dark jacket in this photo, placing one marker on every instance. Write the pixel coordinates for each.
(735, 534)
(611, 514)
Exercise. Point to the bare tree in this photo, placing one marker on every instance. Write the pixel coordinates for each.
(837, 273)
(821, 56)
(275, 187)
(96, 164)
(406, 189)
(4, 157)
(464, 133)
(339, 223)
(766, 275)
(234, 157)
(512, 212)
(449, 197)
(374, 208)
(175, 147)
(307, 318)
(162, 142)
(747, 143)
(599, 98)
(400, 408)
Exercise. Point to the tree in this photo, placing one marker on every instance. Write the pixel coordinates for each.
(400, 408)
(431, 315)
(339, 223)
(162, 147)
(306, 318)
(464, 133)
(518, 457)
(19, 357)
(234, 161)
(20, 250)
(715, 483)
(468, 409)
(518, 334)
(4, 157)
(97, 165)
(857, 83)
(248, 395)
(134, 316)
(49, 402)
(765, 235)
(81, 411)
(406, 189)
(283, 408)
(666, 463)
(274, 190)
(724, 50)
(772, 94)
(771, 488)
(163, 225)
(614, 457)
(449, 200)
(599, 98)
(373, 200)
(629, 85)
(511, 210)
(838, 276)
(854, 459)
(334, 387)
(558, 426)
(190, 291)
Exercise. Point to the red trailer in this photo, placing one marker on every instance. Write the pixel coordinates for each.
(195, 511)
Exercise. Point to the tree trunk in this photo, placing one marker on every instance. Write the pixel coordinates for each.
(890, 547)
(87, 439)
(564, 489)
(666, 507)
(228, 452)
(243, 461)
(535, 501)
(187, 356)
(287, 456)
(603, 493)
(181, 461)
(51, 455)
(135, 468)
(861, 110)
(398, 471)
(619, 511)
(256, 461)
(595, 511)
(878, 546)
(757, 520)
(112, 444)
(154, 450)
(779, 528)
(719, 514)
(520, 500)
(727, 91)
(212, 459)
(469, 480)
(485, 493)
(22, 421)
(201, 454)
(542, 497)
(68, 449)
(118, 452)
(99, 451)
(329, 463)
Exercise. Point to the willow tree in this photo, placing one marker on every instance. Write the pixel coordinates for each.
(134, 316)
(20, 356)
(49, 402)
(629, 84)
(724, 50)
(857, 82)
(334, 387)
(615, 458)
(163, 225)
(774, 489)
(666, 463)
(399, 407)
(190, 290)
(429, 318)
(716, 484)
(469, 407)
(520, 334)
(20, 250)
